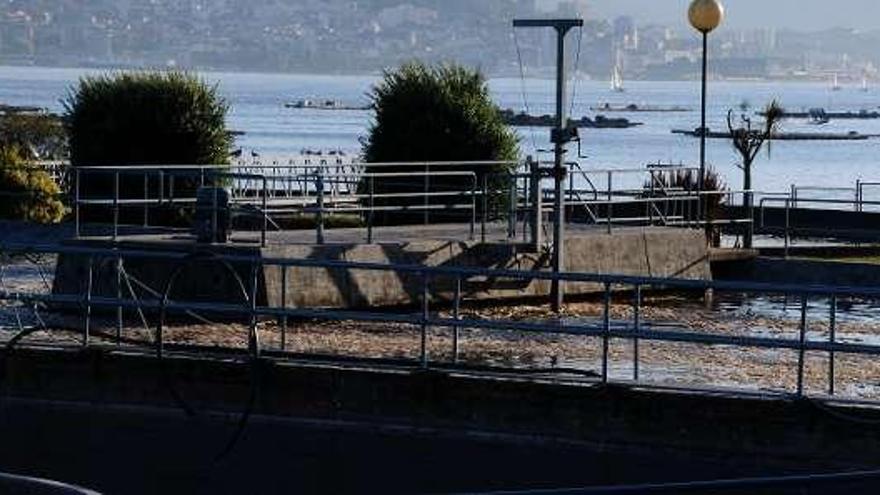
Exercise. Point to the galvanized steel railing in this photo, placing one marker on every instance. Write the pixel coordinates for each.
(426, 319)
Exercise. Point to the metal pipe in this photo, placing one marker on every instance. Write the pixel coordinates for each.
(703, 130)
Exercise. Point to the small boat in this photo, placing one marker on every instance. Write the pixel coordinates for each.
(865, 84)
(326, 104)
(835, 83)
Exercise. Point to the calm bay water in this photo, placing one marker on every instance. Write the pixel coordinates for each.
(258, 109)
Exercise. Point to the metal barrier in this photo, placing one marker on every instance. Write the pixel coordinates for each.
(432, 291)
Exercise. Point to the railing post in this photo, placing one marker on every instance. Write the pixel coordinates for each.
(787, 225)
(76, 202)
(426, 315)
(427, 192)
(371, 213)
(456, 315)
(115, 206)
(473, 207)
(802, 347)
(609, 211)
(87, 321)
(265, 207)
(606, 331)
(859, 207)
(485, 206)
(537, 203)
(146, 198)
(284, 307)
(319, 186)
(119, 314)
(832, 339)
(511, 207)
(637, 328)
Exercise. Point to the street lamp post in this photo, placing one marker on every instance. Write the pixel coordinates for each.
(704, 16)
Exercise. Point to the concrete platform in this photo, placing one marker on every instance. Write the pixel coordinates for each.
(656, 252)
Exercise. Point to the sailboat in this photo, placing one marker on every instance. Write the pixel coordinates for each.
(865, 83)
(617, 80)
(835, 83)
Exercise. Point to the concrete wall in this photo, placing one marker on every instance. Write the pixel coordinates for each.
(720, 433)
(652, 252)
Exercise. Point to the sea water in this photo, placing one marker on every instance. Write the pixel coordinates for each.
(257, 108)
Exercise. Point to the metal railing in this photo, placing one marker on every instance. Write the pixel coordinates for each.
(442, 287)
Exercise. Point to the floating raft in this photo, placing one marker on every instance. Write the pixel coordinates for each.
(788, 136)
(633, 108)
(600, 122)
(819, 113)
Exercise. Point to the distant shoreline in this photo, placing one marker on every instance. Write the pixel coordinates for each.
(546, 73)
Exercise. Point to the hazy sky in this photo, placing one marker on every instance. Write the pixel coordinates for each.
(797, 14)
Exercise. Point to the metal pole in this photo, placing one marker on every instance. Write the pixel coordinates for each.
(427, 192)
(559, 136)
(702, 177)
(558, 287)
(832, 338)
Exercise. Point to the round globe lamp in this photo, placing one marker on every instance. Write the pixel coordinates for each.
(706, 15)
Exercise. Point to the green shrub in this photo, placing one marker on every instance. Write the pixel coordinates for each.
(37, 136)
(27, 192)
(145, 118)
(436, 113)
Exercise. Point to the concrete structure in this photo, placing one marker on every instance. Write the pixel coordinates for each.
(108, 419)
(654, 252)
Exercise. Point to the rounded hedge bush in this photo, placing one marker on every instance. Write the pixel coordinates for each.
(436, 113)
(145, 118)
